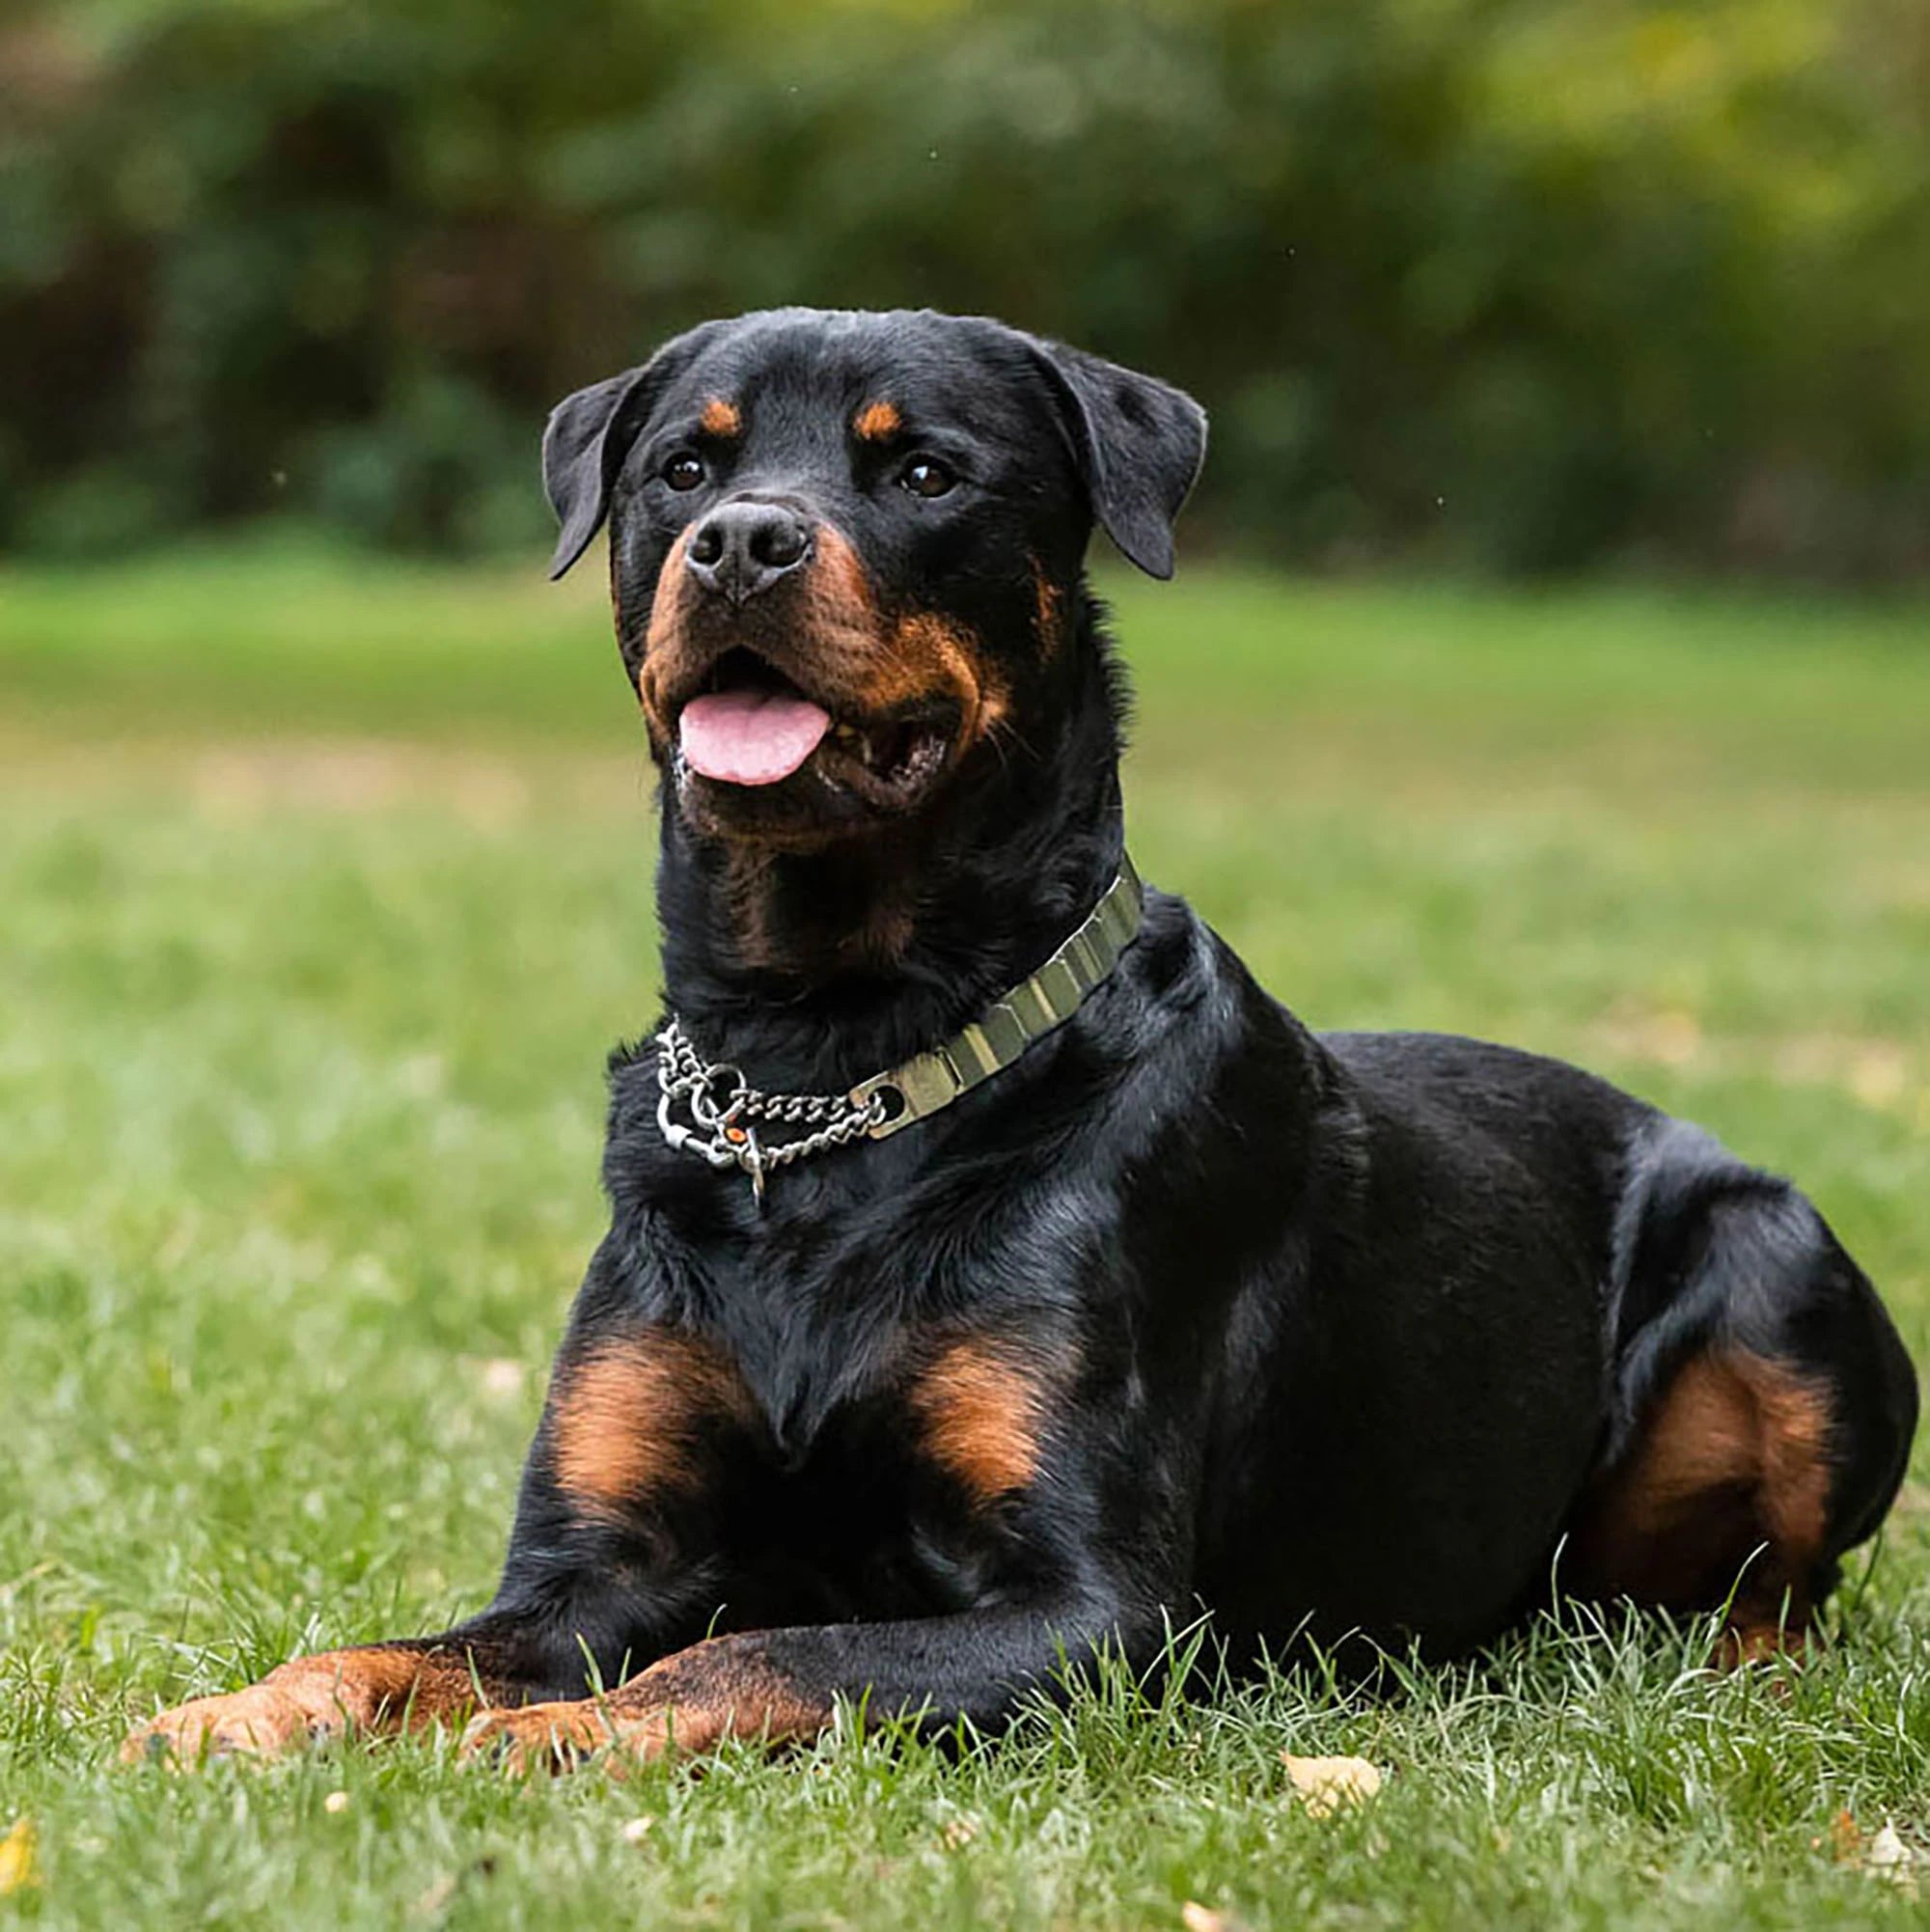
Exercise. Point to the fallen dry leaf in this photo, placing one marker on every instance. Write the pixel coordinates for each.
(1890, 1859)
(1324, 1785)
(1887, 1849)
(17, 1866)
(1198, 1917)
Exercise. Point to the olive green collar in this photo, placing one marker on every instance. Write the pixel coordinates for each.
(726, 1111)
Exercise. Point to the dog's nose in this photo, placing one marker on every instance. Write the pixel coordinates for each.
(742, 548)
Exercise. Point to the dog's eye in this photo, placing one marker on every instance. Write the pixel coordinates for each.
(683, 471)
(925, 476)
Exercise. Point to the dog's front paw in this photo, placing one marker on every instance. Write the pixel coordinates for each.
(259, 1722)
(374, 1687)
(538, 1737)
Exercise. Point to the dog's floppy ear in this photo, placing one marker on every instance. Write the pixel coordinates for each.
(587, 438)
(1140, 443)
(584, 445)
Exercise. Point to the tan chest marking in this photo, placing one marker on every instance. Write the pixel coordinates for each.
(981, 1410)
(629, 1421)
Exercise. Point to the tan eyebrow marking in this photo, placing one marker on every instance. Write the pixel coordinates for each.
(720, 417)
(877, 420)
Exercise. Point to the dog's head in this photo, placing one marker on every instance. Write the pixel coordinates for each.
(845, 547)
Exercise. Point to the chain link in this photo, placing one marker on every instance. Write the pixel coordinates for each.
(726, 1112)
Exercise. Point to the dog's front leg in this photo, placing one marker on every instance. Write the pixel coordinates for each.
(585, 1592)
(782, 1686)
(409, 1684)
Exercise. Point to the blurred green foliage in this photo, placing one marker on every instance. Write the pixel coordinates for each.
(1503, 284)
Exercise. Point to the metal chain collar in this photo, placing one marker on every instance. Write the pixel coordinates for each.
(726, 1111)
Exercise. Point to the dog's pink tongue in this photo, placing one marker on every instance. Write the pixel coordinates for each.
(749, 737)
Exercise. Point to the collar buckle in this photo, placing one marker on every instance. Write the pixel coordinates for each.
(909, 1092)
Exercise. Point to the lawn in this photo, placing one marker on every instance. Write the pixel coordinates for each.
(325, 884)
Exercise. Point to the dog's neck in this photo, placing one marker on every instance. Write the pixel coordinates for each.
(810, 971)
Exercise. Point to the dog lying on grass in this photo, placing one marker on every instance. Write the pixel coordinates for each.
(995, 1272)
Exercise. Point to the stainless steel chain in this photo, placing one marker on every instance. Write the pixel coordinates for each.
(726, 1112)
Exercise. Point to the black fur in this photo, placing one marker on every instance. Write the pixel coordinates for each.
(1335, 1334)
(1358, 1317)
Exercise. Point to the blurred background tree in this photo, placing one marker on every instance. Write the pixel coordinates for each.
(1512, 285)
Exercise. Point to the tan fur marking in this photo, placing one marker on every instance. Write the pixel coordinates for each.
(661, 637)
(1734, 1455)
(929, 655)
(1760, 1643)
(982, 1413)
(377, 1688)
(1701, 1437)
(1793, 1420)
(877, 940)
(1735, 1418)
(837, 592)
(855, 660)
(1050, 608)
(727, 1687)
(720, 418)
(936, 656)
(750, 877)
(628, 1420)
(724, 1687)
(386, 1682)
(886, 933)
(876, 422)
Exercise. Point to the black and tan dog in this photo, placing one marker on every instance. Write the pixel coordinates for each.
(1122, 1293)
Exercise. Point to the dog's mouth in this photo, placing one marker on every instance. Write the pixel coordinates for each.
(750, 724)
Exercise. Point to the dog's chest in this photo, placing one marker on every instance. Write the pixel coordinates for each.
(897, 1503)
(819, 1472)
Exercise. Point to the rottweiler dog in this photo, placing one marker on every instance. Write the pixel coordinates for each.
(996, 1275)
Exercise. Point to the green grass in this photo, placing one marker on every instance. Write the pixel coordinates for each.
(323, 887)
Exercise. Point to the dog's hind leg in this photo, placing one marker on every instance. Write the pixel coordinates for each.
(1763, 1411)
(1723, 1495)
